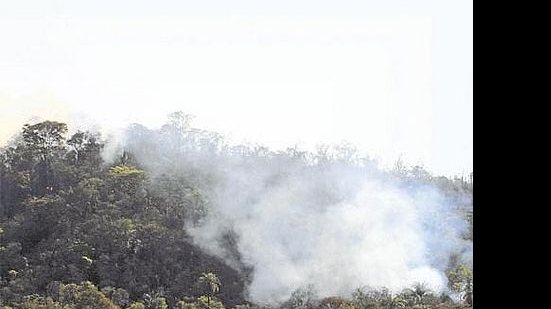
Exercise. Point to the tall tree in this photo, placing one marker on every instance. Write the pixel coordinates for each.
(44, 137)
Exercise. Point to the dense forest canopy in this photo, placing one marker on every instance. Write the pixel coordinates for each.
(177, 218)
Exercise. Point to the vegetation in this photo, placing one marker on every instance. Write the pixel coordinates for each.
(79, 232)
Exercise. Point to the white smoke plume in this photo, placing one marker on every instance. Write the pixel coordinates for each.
(330, 221)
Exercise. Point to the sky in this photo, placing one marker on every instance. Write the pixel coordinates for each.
(394, 78)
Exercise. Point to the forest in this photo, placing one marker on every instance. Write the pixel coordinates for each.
(87, 222)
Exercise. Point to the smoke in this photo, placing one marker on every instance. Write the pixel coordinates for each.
(332, 221)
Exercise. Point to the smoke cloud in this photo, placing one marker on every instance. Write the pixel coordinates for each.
(332, 220)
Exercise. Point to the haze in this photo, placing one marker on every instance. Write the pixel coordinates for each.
(392, 77)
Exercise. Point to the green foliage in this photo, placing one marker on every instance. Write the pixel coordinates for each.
(10, 258)
(417, 296)
(44, 137)
(155, 302)
(126, 171)
(137, 305)
(460, 280)
(208, 302)
(339, 303)
(118, 296)
(372, 298)
(85, 296)
(39, 302)
(183, 304)
(211, 281)
(77, 232)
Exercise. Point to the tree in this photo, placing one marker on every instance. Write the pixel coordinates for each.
(461, 281)
(155, 302)
(303, 298)
(371, 298)
(418, 295)
(85, 295)
(84, 146)
(137, 305)
(337, 303)
(180, 121)
(208, 302)
(39, 302)
(186, 304)
(70, 224)
(118, 296)
(44, 137)
(44, 142)
(212, 283)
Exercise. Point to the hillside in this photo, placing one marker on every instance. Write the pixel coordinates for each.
(172, 218)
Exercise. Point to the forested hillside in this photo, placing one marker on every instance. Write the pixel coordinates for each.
(85, 224)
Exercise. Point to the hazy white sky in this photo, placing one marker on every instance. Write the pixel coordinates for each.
(393, 77)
